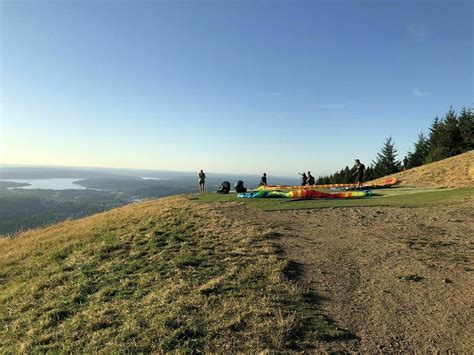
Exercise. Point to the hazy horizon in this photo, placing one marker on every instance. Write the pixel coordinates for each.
(138, 170)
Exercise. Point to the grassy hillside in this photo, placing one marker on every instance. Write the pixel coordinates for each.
(457, 171)
(189, 273)
(162, 275)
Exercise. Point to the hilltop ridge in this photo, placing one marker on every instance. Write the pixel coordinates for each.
(455, 172)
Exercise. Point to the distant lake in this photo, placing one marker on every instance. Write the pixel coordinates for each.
(152, 178)
(49, 184)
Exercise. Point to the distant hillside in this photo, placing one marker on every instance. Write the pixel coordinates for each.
(457, 171)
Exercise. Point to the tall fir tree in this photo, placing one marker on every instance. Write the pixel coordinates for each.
(466, 129)
(347, 178)
(386, 162)
(437, 142)
(369, 174)
(453, 133)
(420, 151)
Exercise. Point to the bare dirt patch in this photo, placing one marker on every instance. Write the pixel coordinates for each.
(400, 279)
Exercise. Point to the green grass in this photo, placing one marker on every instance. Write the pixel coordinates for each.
(167, 275)
(395, 197)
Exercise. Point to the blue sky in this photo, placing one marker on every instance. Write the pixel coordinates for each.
(227, 86)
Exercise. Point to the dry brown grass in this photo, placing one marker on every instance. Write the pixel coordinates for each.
(161, 275)
(457, 171)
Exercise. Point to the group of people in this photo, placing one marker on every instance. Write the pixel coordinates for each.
(306, 179)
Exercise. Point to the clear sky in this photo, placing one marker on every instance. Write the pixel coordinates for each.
(227, 86)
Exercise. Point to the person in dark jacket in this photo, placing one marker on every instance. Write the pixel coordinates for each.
(225, 188)
(263, 180)
(304, 179)
(359, 170)
(405, 163)
(239, 187)
(311, 180)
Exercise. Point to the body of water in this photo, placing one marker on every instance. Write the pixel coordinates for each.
(49, 184)
(151, 178)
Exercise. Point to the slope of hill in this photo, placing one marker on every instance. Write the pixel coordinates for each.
(457, 171)
(169, 274)
(179, 274)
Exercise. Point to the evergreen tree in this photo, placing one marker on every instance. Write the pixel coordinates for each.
(437, 142)
(410, 160)
(347, 177)
(437, 133)
(453, 134)
(336, 177)
(435, 154)
(466, 129)
(420, 152)
(369, 174)
(386, 162)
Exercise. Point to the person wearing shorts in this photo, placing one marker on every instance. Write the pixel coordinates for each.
(202, 181)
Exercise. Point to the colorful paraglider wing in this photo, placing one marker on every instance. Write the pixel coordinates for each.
(300, 194)
(377, 184)
(320, 194)
(262, 194)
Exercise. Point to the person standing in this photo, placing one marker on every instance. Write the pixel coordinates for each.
(202, 181)
(310, 178)
(304, 179)
(263, 180)
(405, 163)
(359, 170)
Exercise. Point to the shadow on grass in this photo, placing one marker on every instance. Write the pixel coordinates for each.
(293, 271)
(275, 235)
(315, 322)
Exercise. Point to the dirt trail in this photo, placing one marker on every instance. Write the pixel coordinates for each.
(399, 279)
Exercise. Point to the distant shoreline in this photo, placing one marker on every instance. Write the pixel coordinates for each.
(11, 184)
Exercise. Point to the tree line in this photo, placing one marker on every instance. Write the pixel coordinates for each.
(448, 136)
